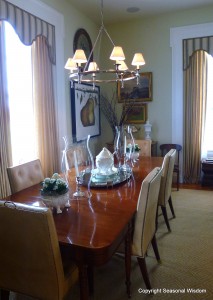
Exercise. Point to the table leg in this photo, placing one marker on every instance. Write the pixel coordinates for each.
(128, 260)
(91, 280)
(83, 279)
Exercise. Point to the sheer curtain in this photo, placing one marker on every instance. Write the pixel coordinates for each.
(5, 144)
(195, 79)
(44, 103)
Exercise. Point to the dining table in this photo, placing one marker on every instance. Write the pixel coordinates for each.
(93, 228)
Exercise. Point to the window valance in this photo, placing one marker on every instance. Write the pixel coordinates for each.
(193, 44)
(28, 26)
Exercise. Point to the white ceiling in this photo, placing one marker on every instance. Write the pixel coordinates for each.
(116, 10)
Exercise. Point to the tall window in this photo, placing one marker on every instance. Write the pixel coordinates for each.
(207, 144)
(19, 73)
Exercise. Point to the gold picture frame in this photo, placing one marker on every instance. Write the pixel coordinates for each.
(133, 92)
(137, 114)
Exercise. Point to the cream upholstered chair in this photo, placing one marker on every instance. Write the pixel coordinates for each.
(166, 185)
(164, 149)
(25, 175)
(145, 221)
(145, 146)
(145, 226)
(30, 258)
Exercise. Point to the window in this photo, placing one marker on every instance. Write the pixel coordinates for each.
(19, 74)
(208, 127)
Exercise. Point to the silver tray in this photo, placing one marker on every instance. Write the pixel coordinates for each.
(107, 181)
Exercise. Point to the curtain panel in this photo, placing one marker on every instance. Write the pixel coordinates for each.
(195, 97)
(44, 106)
(28, 26)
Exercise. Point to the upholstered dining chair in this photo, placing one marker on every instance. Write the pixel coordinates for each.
(25, 175)
(164, 148)
(145, 146)
(145, 221)
(166, 186)
(30, 257)
(145, 226)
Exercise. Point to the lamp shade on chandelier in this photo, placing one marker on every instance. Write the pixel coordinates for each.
(91, 73)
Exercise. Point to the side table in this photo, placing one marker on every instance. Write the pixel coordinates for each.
(207, 172)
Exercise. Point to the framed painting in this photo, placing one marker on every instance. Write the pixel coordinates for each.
(132, 91)
(137, 114)
(85, 108)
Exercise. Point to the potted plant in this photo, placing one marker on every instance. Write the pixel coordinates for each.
(55, 192)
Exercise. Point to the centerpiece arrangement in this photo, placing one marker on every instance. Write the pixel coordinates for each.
(111, 112)
(133, 150)
(55, 192)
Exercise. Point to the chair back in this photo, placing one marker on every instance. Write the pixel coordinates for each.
(30, 257)
(145, 221)
(25, 175)
(166, 180)
(145, 146)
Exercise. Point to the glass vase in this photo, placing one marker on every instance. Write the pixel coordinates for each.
(79, 160)
(124, 148)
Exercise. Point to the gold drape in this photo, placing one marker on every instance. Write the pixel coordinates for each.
(195, 91)
(45, 118)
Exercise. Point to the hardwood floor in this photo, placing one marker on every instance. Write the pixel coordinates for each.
(194, 187)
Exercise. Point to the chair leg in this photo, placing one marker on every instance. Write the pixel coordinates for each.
(171, 207)
(178, 180)
(155, 248)
(156, 220)
(4, 295)
(163, 208)
(142, 264)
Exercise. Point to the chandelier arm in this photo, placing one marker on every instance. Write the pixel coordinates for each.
(109, 36)
(99, 33)
(121, 73)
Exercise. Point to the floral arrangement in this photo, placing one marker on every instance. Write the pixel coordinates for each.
(54, 186)
(129, 146)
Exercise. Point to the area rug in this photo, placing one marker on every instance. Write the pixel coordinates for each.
(186, 271)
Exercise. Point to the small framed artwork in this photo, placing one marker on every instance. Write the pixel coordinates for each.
(137, 114)
(82, 41)
(132, 91)
(85, 108)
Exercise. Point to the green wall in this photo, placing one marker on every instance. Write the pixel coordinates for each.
(148, 35)
(151, 36)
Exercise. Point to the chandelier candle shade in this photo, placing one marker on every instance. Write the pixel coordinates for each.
(92, 73)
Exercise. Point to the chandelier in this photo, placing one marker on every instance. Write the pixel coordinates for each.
(90, 72)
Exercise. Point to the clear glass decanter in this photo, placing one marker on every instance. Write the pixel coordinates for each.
(123, 148)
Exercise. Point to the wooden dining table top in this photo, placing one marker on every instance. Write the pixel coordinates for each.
(94, 228)
(94, 223)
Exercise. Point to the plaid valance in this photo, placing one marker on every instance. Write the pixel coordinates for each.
(28, 26)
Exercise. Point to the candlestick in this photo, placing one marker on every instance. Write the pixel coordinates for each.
(76, 164)
(125, 145)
